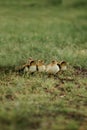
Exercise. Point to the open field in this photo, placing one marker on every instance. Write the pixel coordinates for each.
(42, 31)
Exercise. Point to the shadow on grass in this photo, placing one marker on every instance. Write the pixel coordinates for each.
(7, 69)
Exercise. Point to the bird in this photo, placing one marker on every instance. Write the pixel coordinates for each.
(32, 66)
(23, 68)
(63, 65)
(41, 66)
(29, 67)
(53, 68)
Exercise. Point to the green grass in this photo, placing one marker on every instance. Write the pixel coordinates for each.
(42, 31)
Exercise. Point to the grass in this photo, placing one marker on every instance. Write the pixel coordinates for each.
(47, 32)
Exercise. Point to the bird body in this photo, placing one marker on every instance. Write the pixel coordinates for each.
(32, 67)
(63, 65)
(64, 68)
(52, 68)
(41, 66)
(23, 69)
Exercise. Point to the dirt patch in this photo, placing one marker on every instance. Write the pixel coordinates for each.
(80, 71)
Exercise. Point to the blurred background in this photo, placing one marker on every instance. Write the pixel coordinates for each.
(33, 28)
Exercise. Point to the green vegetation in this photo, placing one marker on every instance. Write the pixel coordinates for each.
(43, 30)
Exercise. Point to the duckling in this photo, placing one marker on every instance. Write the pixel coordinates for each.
(41, 66)
(22, 69)
(52, 68)
(32, 67)
(63, 65)
(27, 65)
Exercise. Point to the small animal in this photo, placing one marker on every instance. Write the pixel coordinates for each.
(29, 67)
(23, 69)
(52, 68)
(32, 66)
(41, 66)
(63, 65)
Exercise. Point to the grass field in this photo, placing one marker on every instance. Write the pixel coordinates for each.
(42, 31)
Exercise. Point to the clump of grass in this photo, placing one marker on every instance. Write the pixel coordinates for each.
(72, 125)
